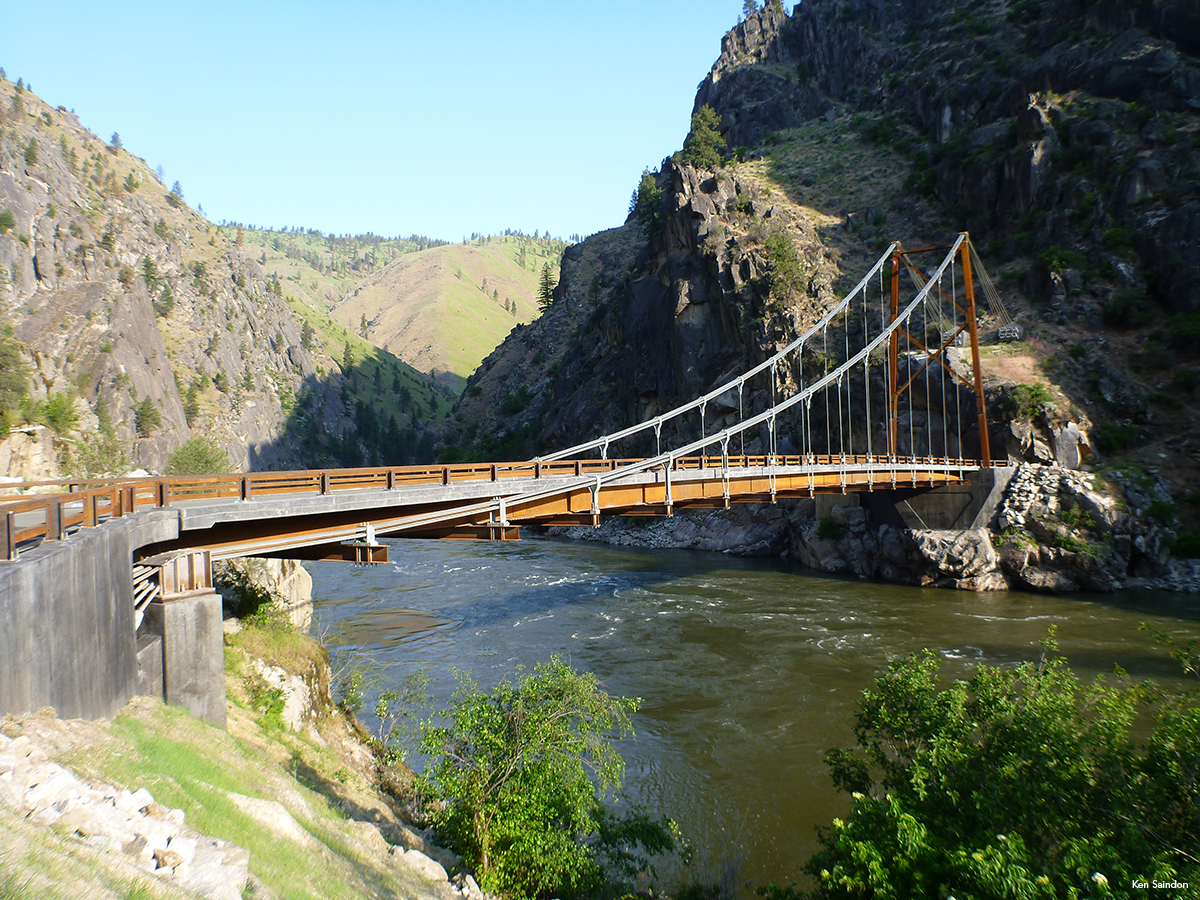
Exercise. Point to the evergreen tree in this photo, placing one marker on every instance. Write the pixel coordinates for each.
(31, 152)
(116, 141)
(546, 288)
(704, 146)
(306, 334)
(647, 206)
(347, 359)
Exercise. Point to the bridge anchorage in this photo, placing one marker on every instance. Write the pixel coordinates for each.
(879, 394)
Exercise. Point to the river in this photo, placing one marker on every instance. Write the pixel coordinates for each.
(748, 669)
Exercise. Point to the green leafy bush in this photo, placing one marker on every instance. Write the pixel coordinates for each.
(512, 776)
(198, 456)
(515, 402)
(59, 413)
(1020, 782)
(1024, 401)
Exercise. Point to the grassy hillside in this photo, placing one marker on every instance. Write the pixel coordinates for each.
(444, 309)
(439, 307)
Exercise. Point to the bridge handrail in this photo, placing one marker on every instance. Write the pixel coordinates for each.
(657, 421)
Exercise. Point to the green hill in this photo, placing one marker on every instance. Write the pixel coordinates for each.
(439, 307)
(444, 309)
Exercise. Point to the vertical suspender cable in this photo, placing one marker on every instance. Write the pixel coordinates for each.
(828, 433)
(942, 377)
(928, 395)
(957, 392)
(849, 388)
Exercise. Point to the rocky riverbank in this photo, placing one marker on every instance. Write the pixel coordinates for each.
(289, 801)
(1055, 530)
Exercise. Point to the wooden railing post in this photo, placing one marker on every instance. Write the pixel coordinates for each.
(90, 515)
(10, 535)
(391, 479)
(54, 520)
(164, 494)
(324, 482)
(537, 469)
(246, 491)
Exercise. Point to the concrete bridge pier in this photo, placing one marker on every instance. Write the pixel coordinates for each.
(181, 651)
(77, 636)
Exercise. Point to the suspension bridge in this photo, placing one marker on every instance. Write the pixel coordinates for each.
(884, 391)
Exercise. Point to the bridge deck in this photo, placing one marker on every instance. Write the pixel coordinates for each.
(276, 513)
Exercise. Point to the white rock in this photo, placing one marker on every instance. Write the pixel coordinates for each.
(184, 846)
(419, 863)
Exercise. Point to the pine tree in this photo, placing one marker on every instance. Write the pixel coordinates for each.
(546, 288)
(704, 145)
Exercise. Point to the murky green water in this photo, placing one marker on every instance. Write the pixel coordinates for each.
(748, 669)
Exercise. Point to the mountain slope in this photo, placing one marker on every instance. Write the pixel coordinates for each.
(1063, 134)
(127, 306)
(444, 309)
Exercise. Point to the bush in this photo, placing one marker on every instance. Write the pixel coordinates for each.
(1020, 782)
(514, 403)
(787, 271)
(512, 773)
(1126, 308)
(59, 413)
(829, 530)
(1024, 401)
(1115, 438)
(7, 221)
(198, 456)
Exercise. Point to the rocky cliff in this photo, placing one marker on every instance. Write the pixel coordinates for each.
(1064, 135)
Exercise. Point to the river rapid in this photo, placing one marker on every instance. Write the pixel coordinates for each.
(748, 669)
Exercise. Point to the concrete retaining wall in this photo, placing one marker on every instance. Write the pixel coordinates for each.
(67, 637)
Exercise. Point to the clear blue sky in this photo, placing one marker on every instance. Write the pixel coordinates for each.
(390, 117)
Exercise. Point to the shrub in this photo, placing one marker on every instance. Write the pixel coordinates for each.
(512, 774)
(1162, 511)
(514, 403)
(1024, 401)
(7, 221)
(1112, 438)
(829, 530)
(1126, 308)
(59, 413)
(1187, 545)
(1020, 782)
(198, 456)
(1056, 259)
(787, 271)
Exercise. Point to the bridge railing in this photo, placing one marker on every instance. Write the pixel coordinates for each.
(65, 505)
(52, 508)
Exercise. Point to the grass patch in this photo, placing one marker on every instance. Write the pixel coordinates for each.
(191, 766)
